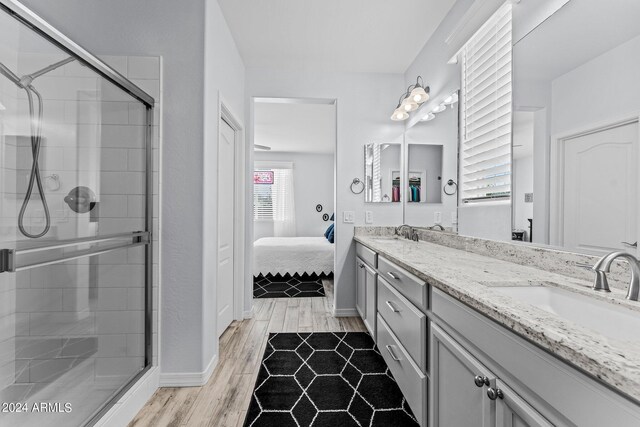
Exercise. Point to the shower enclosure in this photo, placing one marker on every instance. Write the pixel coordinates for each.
(75, 228)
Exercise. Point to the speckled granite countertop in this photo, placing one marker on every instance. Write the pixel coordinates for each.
(472, 279)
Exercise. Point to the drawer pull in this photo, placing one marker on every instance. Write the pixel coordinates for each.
(481, 380)
(393, 275)
(395, 310)
(393, 356)
(494, 393)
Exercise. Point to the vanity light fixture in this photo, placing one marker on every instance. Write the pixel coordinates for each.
(451, 99)
(430, 116)
(439, 109)
(410, 100)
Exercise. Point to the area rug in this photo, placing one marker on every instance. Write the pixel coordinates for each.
(326, 380)
(288, 286)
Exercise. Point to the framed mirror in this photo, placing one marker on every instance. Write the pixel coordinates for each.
(575, 128)
(383, 172)
(424, 173)
(431, 160)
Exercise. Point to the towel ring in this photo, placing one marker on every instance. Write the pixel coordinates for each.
(453, 184)
(356, 181)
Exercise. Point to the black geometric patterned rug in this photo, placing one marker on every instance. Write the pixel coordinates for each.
(326, 380)
(288, 286)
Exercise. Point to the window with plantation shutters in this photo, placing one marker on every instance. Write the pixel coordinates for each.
(485, 152)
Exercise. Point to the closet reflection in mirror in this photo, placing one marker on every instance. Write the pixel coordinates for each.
(575, 140)
(424, 173)
(382, 170)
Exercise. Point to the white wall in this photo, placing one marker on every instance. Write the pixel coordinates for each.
(175, 31)
(364, 104)
(312, 184)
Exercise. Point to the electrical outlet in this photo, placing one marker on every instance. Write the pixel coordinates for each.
(528, 197)
(454, 217)
(437, 217)
(348, 217)
(368, 217)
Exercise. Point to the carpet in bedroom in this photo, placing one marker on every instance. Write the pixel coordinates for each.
(288, 286)
(326, 379)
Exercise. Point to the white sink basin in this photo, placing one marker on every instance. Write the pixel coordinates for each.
(608, 319)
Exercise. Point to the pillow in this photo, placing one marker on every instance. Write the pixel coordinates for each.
(331, 235)
(329, 229)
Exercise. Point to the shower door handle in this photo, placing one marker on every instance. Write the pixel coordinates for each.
(8, 257)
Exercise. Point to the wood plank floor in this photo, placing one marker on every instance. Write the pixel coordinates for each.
(223, 401)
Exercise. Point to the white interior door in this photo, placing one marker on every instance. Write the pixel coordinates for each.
(600, 209)
(226, 185)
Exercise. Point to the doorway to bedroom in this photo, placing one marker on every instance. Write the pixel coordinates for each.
(293, 204)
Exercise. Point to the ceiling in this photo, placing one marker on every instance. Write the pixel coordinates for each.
(578, 32)
(295, 127)
(379, 36)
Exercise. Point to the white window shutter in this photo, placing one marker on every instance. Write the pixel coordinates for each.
(487, 110)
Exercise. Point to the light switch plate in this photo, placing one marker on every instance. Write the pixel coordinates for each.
(368, 217)
(348, 217)
(437, 217)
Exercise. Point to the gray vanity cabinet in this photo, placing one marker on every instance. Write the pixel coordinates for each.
(513, 411)
(458, 385)
(462, 386)
(366, 278)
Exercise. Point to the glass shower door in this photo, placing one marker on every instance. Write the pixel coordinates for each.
(75, 243)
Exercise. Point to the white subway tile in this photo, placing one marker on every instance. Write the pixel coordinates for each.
(38, 300)
(112, 345)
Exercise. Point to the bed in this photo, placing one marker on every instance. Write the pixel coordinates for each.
(281, 255)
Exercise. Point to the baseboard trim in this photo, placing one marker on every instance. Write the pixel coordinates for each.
(132, 401)
(248, 314)
(345, 312)
(189, 379)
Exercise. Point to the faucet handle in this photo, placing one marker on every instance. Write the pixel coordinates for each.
(601, 283)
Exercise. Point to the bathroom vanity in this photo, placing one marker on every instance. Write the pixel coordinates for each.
(472, 340)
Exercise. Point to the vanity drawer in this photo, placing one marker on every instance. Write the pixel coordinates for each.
(410, 286)
(411, 381)
(407, 323)
(367, 255)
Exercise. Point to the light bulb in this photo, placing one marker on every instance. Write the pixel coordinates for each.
(419, 95)
(439, 109)
(408, 105)
(428, 117)
(399, 114)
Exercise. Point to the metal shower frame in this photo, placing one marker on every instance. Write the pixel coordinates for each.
(41, 27)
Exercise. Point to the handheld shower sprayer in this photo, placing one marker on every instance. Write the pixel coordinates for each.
(25, 83)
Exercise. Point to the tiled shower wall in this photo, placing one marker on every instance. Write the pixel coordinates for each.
(50, 319)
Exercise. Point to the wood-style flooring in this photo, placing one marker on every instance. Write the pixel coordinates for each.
(224, 400)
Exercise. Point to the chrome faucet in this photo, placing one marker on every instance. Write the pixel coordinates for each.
(603, 266)
(407, 231)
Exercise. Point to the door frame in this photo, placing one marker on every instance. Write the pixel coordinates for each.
(556, 170)
(226, 114)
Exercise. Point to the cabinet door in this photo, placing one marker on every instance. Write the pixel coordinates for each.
(361, 288)
(370, 309)
(456, 398)
(513, 411)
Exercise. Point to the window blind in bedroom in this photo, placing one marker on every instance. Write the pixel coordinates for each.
(487, 110)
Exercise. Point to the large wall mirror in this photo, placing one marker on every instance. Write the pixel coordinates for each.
(431, 147)
(383, 173)
(575, 128)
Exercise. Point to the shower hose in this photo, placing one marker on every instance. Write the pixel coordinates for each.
(34, 176)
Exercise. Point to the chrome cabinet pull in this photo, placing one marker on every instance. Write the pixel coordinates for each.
(393, 275)
(481, 380)
(494, 393)
(395, 310)
(393, 356)
(633, 245)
